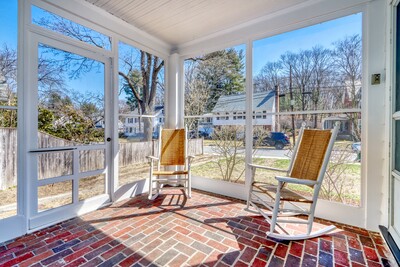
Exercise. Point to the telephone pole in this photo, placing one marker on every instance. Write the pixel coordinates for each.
(277, 121)
(292, 104)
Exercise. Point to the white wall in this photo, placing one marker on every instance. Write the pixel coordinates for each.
(374, 121)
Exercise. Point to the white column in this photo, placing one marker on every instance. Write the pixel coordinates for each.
(249, 112)
(173, 74)
(181, 94)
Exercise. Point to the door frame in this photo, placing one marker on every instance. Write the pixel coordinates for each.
(43, 219)
(394, 116)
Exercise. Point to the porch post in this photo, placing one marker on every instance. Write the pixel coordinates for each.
(172, 98)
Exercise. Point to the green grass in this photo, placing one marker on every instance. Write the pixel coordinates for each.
(349, 180)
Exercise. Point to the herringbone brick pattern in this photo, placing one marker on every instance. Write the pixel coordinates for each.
(206, 230)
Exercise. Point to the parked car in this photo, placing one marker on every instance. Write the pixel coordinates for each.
(276, 139)
(205, 135)
(356, 147)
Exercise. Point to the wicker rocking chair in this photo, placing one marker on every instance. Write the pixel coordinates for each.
(172, 157)
(307, 167)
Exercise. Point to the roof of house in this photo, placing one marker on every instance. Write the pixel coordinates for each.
(158, 110)
(261, 101)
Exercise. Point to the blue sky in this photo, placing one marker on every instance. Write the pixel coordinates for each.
(324, 34)
(9, 23)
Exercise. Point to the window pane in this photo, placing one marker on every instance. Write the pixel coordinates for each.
(54, 195)
(139, 120)
(302, 71)
(91, 160)
(69, 28)
(215, 110)
(8, 112)
(91, 187)
(71, 99)
(47, 161)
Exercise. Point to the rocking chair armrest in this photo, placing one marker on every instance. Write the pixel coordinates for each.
(295, 180)
(265, 167)
(152, 158)
(189, 160)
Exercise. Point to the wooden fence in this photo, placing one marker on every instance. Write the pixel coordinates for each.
(61, 163)
(8, 157)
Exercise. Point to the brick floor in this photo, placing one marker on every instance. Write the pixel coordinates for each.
(206, 230)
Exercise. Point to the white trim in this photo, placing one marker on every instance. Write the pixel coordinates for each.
(68, 40)
(53, 216)
(374, 123)
(325, 209)
(9, 107)
(37, 219)
(392, 115)
(309, 112)
(99, 20)
(22, 177)
(249, 110)
(220, 187)
(114, 172)
(12, 227)
(132, 189)
(299, 16)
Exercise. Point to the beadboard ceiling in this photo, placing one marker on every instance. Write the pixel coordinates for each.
(177, 22)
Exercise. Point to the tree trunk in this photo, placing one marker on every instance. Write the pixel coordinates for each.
(148, 129)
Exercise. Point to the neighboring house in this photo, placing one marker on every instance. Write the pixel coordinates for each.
(133, 124)
(4, 89)
(346, 127)
(350, 99)
(232, 110)
(101, 124)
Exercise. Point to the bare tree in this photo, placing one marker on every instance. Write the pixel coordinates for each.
(302, 70)
(269, 77)
(8, 74)
(196, 95)
(150, 67)
(321, 75)
(348, 62)
(230, 151)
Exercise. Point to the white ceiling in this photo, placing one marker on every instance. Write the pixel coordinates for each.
(177, 22)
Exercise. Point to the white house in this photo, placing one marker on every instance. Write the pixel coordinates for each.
(133, 124)
(232, 110)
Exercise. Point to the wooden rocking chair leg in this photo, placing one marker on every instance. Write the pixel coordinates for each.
(151, 185)
(276, 207)
(253, 173)
(189, 185)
